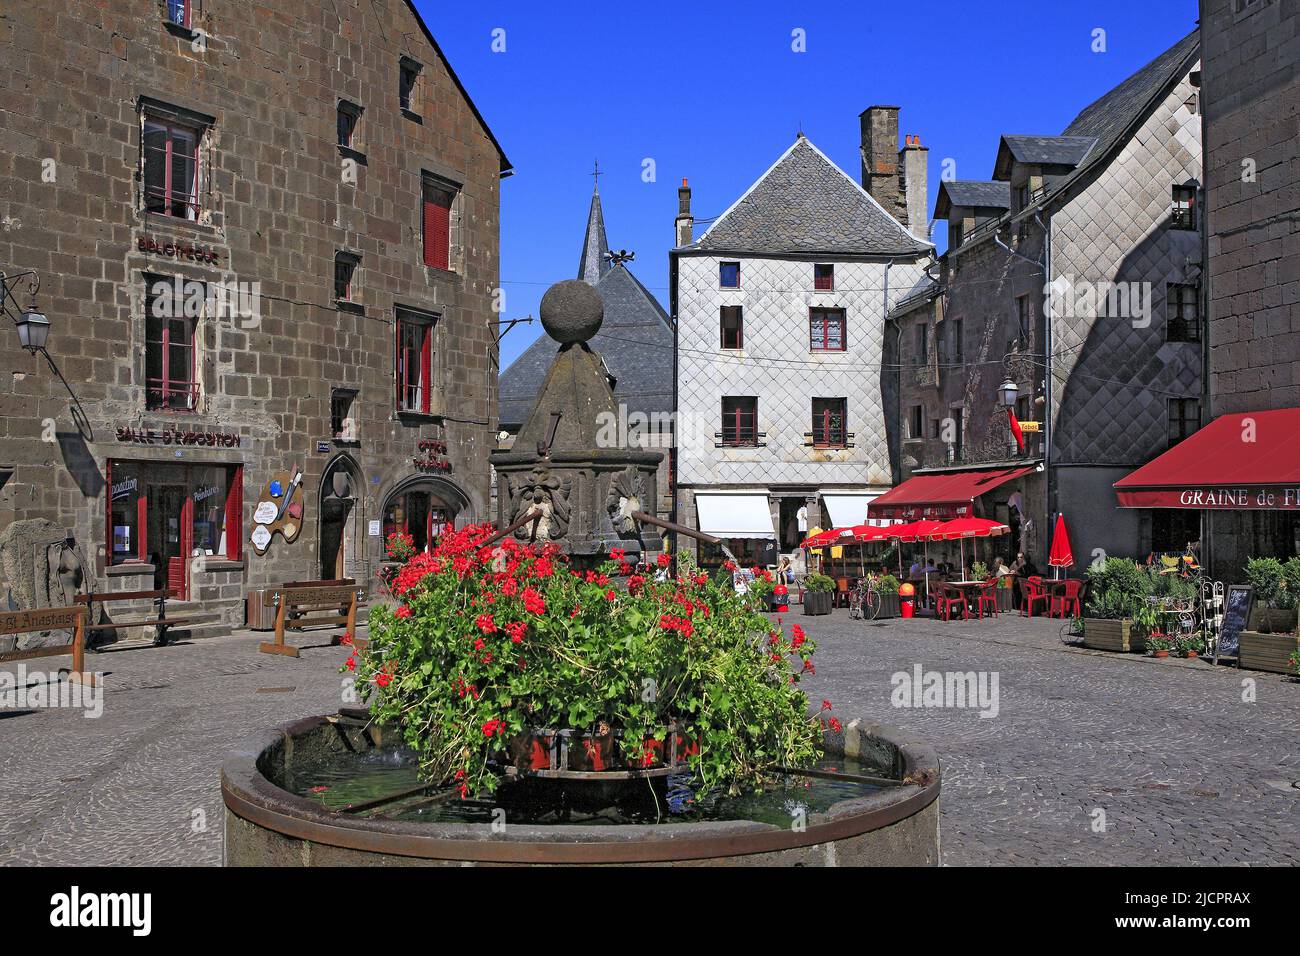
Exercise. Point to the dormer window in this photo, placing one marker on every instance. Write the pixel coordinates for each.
(1022, 196)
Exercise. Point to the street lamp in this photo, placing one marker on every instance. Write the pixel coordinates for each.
(1009, 392)
(33, 327)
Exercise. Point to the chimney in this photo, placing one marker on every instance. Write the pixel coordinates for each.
(915, 161)
(880, 156)
(684, 222)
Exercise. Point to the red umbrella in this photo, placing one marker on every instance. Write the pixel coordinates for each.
(959, 529)
(870, 532)
(915, 531)
(1061, 556)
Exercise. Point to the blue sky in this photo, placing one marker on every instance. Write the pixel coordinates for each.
(714, 92)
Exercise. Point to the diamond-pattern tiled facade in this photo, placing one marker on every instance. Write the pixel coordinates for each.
(1112, 376)
(777, 366)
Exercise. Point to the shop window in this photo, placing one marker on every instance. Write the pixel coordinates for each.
(415, 361)
(729, 275)
(824, 277)
(172, 310)
(733, 327)
(408, 80)
(162, 514)
(422, 515)
(1182, 313)
(438, 197)
(828, 418)
(826, 330)
(170, 158)
(739, 421)
(1184, 418)
(342, 415)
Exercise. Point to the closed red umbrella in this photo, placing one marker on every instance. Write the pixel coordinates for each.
(1061, 555)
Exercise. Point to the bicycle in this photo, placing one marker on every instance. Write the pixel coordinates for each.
(864, 600)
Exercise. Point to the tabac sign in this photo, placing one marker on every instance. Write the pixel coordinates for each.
(1260, 498)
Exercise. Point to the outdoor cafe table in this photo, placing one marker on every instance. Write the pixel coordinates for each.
(1054, 588)
(969, 589)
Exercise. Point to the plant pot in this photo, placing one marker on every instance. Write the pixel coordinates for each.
(532, 751)
(1267, 652)
(591, 752)
(889, 606)
(1272, 620)
(1191, 655)
(817, 602)
(1108, 634)
(1159, 653)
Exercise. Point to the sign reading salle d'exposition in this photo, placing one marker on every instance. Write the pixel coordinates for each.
(176, 436)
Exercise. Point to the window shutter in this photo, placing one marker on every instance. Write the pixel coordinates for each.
(426, 380)
(437, 230)
(235, 514)
(141, 527)
(397, 364)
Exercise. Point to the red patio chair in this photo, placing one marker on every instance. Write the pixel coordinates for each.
(1032, 592)
(950, 598)
(988, 595)
(1065, 597)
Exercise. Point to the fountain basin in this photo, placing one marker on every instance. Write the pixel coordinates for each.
(268, 825)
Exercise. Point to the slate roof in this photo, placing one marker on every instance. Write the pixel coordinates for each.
(1048, 150)
(806, 204)
(636, 342)
(995, 194)
(595, 246)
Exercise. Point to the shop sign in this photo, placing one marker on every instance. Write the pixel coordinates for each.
(175, 436)
(432, 456)
(1030, 426)
(1265, 498)
(175, 249)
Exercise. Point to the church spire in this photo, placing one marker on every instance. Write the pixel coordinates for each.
(595, 246)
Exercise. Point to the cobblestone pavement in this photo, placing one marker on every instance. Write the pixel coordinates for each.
(1183, 769)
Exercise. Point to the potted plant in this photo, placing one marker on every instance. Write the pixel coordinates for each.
(1191, 645)
(1117, 588)
(887, 588)
(498, 657)
(1270, 638)
(819, 592)
(1147, 620)
(1159, 645)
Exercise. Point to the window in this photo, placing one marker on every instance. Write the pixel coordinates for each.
(171, 167)
(1182, 313)
(178, 12)
(936, 427)
(739, 421)
(1184, 418)
(828, 418)
(916, 422)
(954, 234)
(1184, 208)
(408, 76)
(824, 278)
(345, 267)
(438, 199)
(729, 275)
(169, 333)
(733, 327)
(342, 423)
(952, 342)
(414, 361)
(349, 119)
(1022, 196)
(826, 330)
(921, 337)
(1024, 322)
(161, 513)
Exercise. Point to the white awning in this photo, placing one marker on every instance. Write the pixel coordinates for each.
(847, 510)
(735, 516)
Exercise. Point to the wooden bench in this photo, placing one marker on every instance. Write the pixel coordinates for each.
(162, 622)
(50, 619)
(298, 606)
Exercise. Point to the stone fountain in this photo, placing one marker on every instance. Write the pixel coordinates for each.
(591, 496)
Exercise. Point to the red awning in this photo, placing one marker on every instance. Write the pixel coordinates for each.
(1244, 461)
(946, 494)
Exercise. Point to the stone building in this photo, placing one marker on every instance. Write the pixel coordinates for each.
(267, 244)
(1075, 274)
(1250, 85)
(636, 343)
(780, 310)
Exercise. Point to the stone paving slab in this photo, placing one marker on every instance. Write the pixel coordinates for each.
(1184, 770)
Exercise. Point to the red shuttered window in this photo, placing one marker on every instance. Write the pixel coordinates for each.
(235, 514)
(437, 224)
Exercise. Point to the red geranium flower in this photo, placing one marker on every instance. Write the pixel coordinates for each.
(493, 726)
(485, 624)
(664, 560)
(533, 602)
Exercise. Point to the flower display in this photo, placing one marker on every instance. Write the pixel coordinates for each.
(596, 651)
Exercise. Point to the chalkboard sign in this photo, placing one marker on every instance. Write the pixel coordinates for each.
(1235, 615)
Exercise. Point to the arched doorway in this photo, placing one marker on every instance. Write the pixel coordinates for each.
(340, 486)
(423, 507)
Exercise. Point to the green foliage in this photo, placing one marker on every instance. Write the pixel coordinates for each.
(888, 584)
(493, 644)
(980, 571)
(818, 583)
(1267, 577)
(1117, 588)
